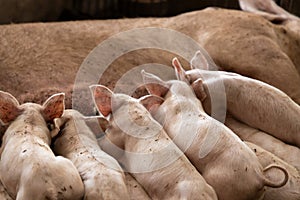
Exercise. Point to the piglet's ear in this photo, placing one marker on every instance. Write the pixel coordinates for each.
(102, 99)
(54, 107)
(267, 9)
(151, 102)
(199, 61)
(154, 84)
(179, 71)
(9, 108)
(103, 122)
(58, 123)
(198, 88)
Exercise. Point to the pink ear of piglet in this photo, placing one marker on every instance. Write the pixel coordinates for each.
(151, 102)
(199, 61)
(9, 108)
(102, 98)
(199, 90)
(154, 84)
(54, 107)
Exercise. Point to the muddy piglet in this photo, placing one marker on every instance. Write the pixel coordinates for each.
(220, 156)
(291, 190)
(286, 152)
(253, 102)
(28, 168)
(102, 175)
(146, 151)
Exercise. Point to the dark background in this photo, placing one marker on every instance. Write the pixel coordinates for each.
(161, 8)
(16, 11)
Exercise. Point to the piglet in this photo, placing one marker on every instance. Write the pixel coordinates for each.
(291, 190)
(28, 168)
(146, 151)
(102, 175)
(253, 102)
(225, 162)
(286, 152)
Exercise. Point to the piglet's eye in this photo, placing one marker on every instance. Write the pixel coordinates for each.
(50, 126)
